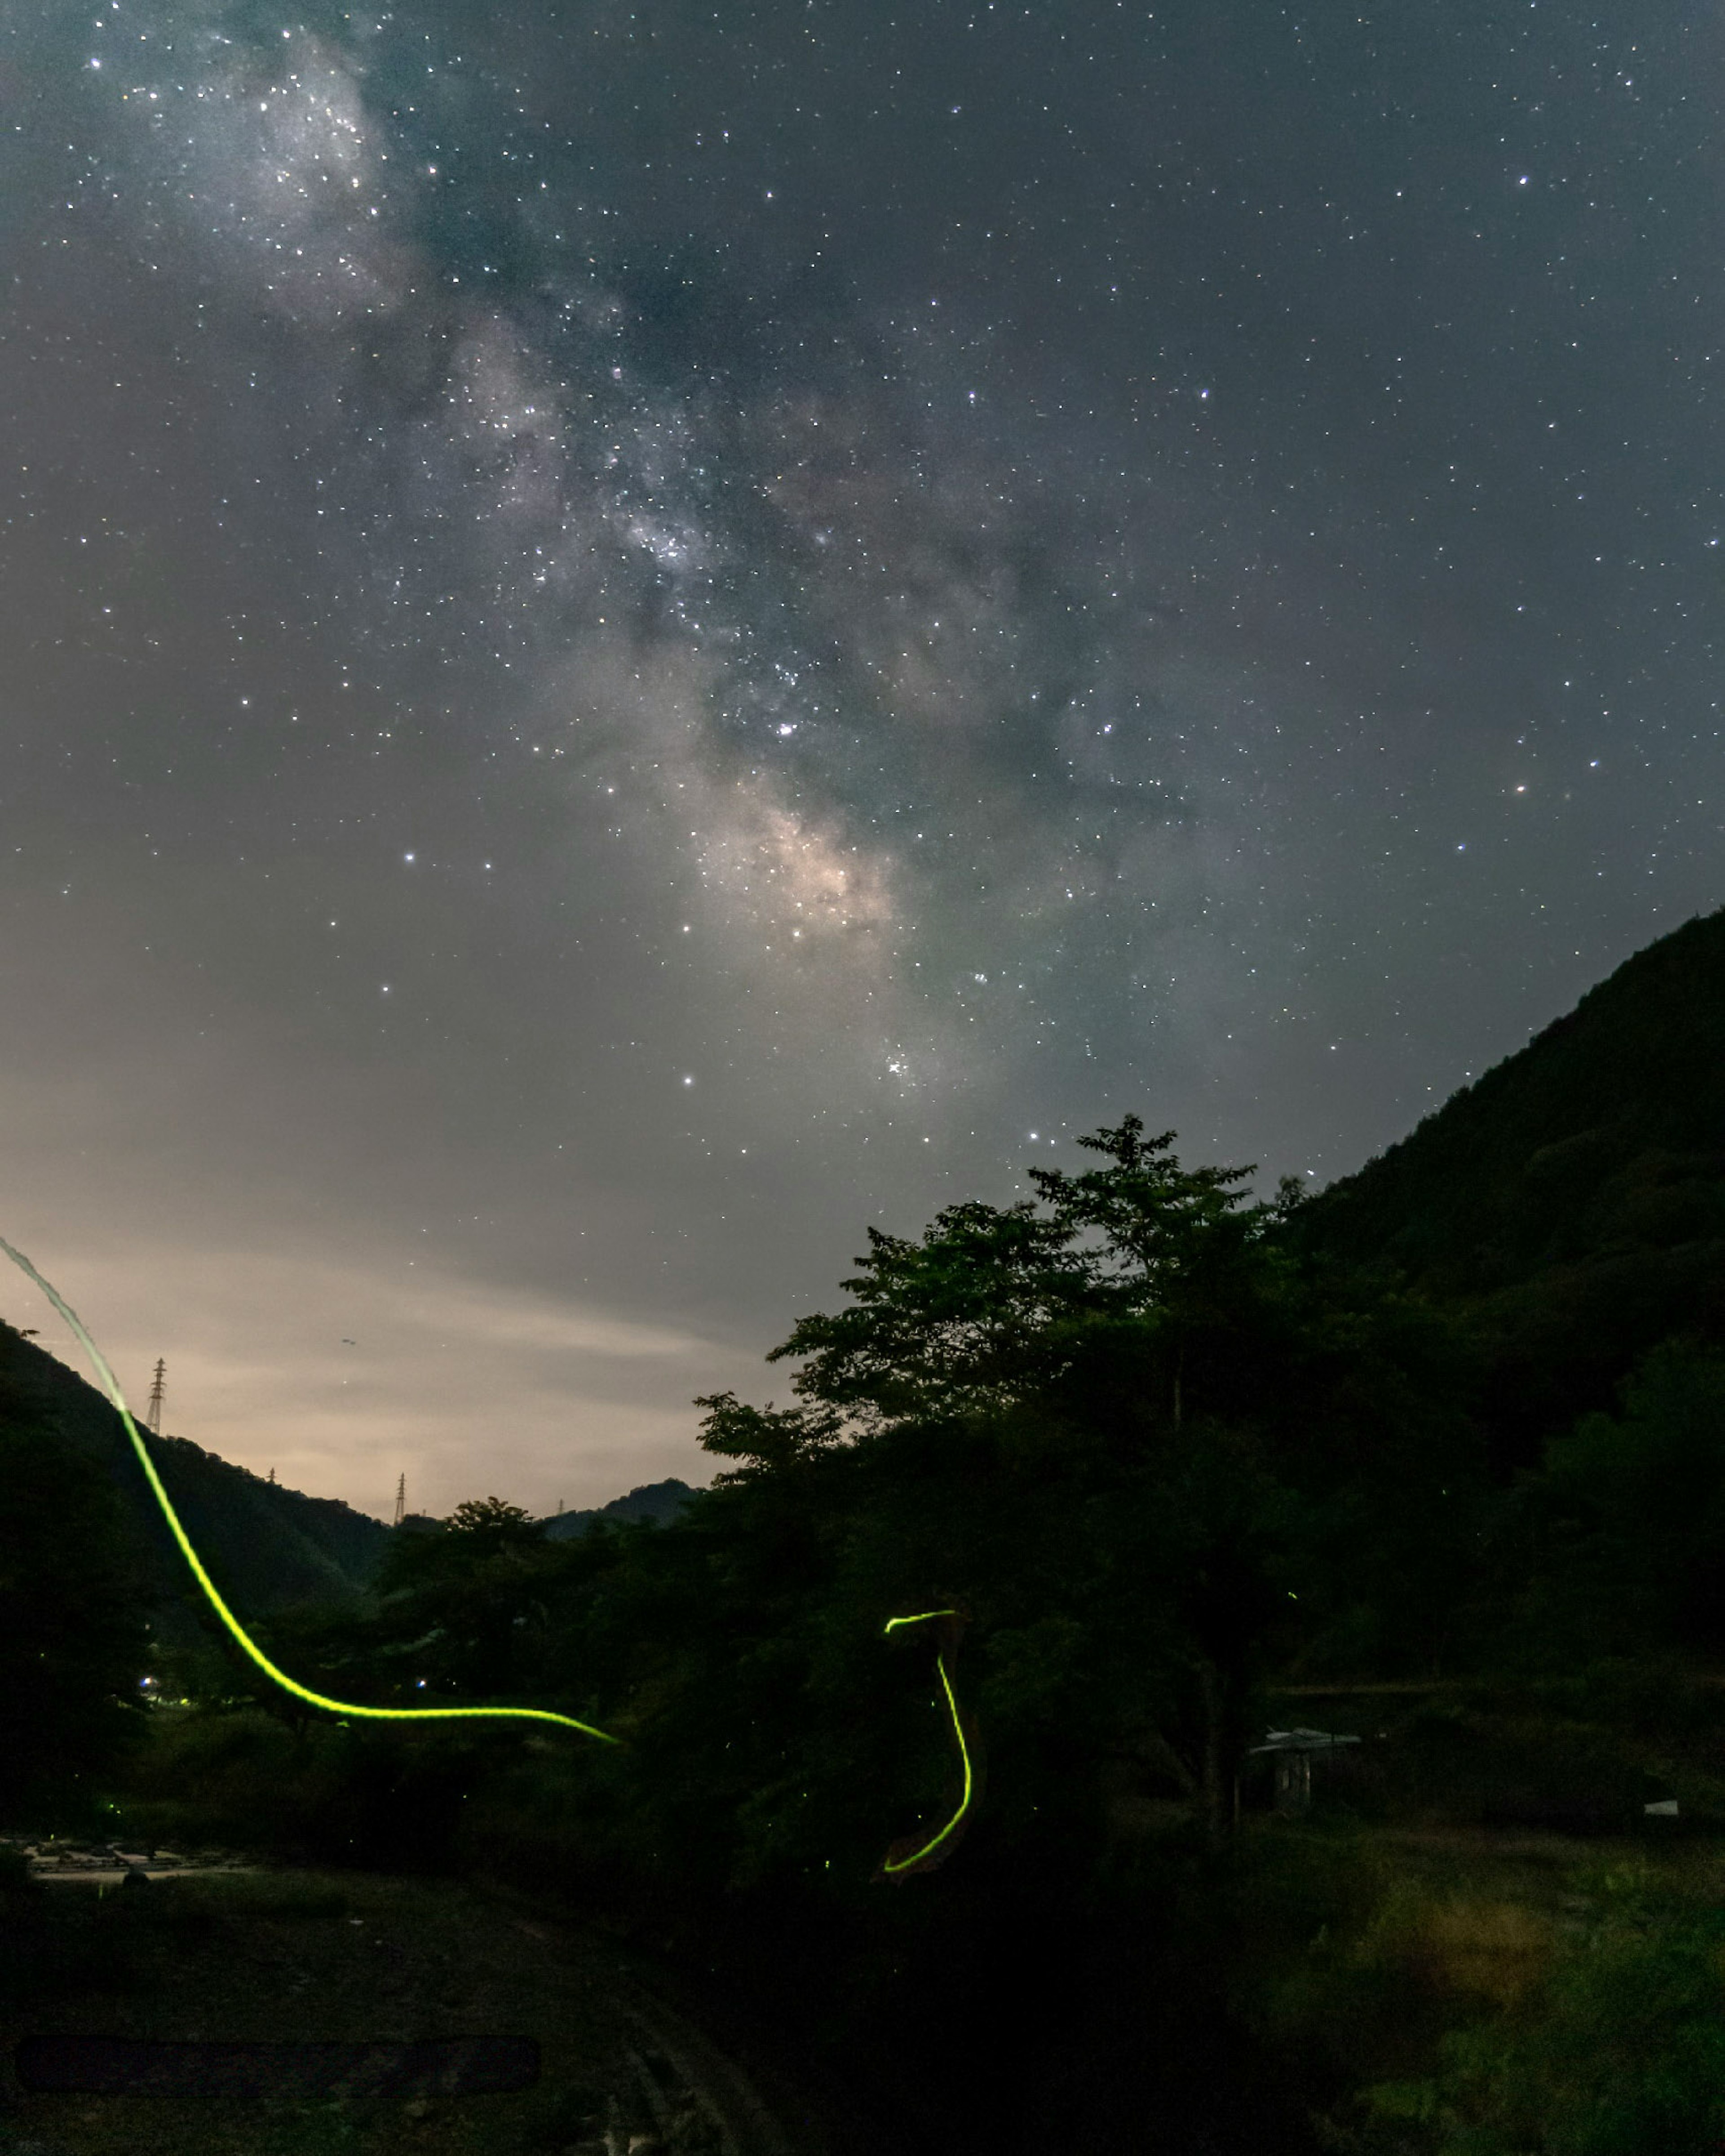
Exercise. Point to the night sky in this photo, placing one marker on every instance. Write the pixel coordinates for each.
(634, 638)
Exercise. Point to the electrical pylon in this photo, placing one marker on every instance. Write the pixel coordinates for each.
(158, 1387)
(401, 1498)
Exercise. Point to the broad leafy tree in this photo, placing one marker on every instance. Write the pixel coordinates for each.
(1091, 1414)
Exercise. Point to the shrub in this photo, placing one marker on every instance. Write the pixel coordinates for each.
(1619, 2051)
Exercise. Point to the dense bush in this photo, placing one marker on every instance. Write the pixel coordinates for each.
(1631, 1509)
(1617, 2050)
(71, 1619)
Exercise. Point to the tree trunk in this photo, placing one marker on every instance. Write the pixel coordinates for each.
(1218, 1789)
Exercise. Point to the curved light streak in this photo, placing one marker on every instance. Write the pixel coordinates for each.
(891, 1867)
(242, 1638)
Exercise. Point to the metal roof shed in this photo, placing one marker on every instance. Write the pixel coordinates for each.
(1293, 1750)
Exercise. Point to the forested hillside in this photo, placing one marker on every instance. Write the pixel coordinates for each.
(1573, 1199)
(266, 1546)
(941, 1713)
(657, 1501)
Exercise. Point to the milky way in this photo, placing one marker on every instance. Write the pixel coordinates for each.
(638, 637)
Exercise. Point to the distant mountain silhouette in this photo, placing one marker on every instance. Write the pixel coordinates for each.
(268, 1548)
(1573, 1199)
(1570, 1203)
(657, 1501)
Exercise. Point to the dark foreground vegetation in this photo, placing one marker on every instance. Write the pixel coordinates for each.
(1436, 1459)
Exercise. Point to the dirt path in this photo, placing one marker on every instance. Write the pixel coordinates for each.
(308, 1958)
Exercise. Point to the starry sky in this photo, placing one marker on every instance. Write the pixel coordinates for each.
(636, 636)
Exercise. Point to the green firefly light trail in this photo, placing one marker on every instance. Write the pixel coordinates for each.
(241, 1636)
(892, 1867)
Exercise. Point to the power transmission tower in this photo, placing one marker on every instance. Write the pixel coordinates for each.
(401, 1499)
(158, 1387)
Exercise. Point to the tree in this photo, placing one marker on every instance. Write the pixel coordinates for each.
(1632, 1513)
(1138, 1279)
(496, 1524)
(1190, 1269)
(1104, 1348)
(71, 1596)
(970, 1317)
(1142, 1434)
(767, 1440)
(470, 1596)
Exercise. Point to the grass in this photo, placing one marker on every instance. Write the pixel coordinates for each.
(1491, 1991)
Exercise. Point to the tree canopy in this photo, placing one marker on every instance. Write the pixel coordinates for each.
(1119, 1285)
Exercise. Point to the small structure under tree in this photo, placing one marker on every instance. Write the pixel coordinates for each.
(1292, 1750)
